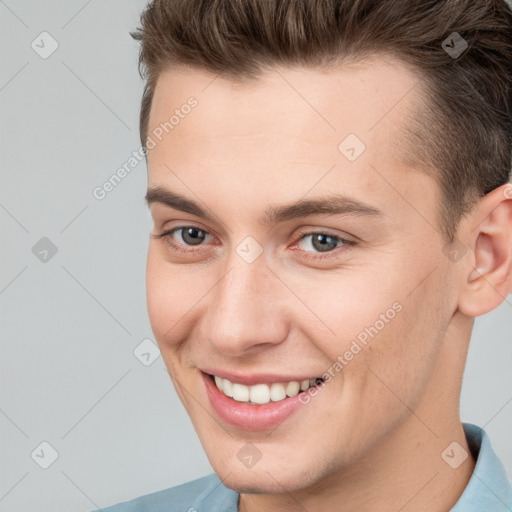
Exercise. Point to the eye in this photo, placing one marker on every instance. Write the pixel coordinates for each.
(320, 242)
(190, 235)
(185, 235)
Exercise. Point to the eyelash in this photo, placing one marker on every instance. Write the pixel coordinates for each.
(346, 244)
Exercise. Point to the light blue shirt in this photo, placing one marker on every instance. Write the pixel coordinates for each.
(488, 489)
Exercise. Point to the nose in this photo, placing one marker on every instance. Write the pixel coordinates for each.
(247, 311)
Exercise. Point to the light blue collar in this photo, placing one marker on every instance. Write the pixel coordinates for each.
(488, 489)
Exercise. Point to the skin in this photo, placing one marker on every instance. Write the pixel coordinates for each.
(372, 438)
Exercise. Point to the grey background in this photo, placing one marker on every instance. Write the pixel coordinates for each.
(70, 325)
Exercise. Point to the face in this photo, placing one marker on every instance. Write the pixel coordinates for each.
(350, 285)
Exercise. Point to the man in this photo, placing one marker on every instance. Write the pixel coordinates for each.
(328, 182)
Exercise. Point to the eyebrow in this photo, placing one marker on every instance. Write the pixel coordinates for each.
(333, 204)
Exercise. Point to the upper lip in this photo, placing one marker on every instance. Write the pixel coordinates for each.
(256, 378)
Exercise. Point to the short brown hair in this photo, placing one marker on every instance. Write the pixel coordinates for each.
(464, 130)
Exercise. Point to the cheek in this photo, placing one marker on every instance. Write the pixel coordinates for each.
(401, 359)
(378, 333)
(170, 303)
(158, 296)
(176, 296)
(166, 293)
(345, 313)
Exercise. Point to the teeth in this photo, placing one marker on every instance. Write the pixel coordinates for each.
(240, 392)
(262, 393)
(277, 392)
(227, 387)
(292, 388)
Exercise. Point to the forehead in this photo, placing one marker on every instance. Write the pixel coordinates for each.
(286, 130)
(358, 96)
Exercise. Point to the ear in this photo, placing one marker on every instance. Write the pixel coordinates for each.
(488, 235)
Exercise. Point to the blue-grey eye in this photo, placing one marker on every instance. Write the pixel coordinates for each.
(192, 236)
(320, 242)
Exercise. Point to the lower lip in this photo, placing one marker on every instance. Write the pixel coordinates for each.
(250, 417)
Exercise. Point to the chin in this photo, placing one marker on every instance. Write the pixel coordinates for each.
(264, 481)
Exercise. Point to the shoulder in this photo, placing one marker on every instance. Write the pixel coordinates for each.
(206, 491)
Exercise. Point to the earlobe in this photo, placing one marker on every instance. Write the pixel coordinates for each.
(488, 280)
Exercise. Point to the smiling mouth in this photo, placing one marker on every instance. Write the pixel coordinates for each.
(261, 394)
